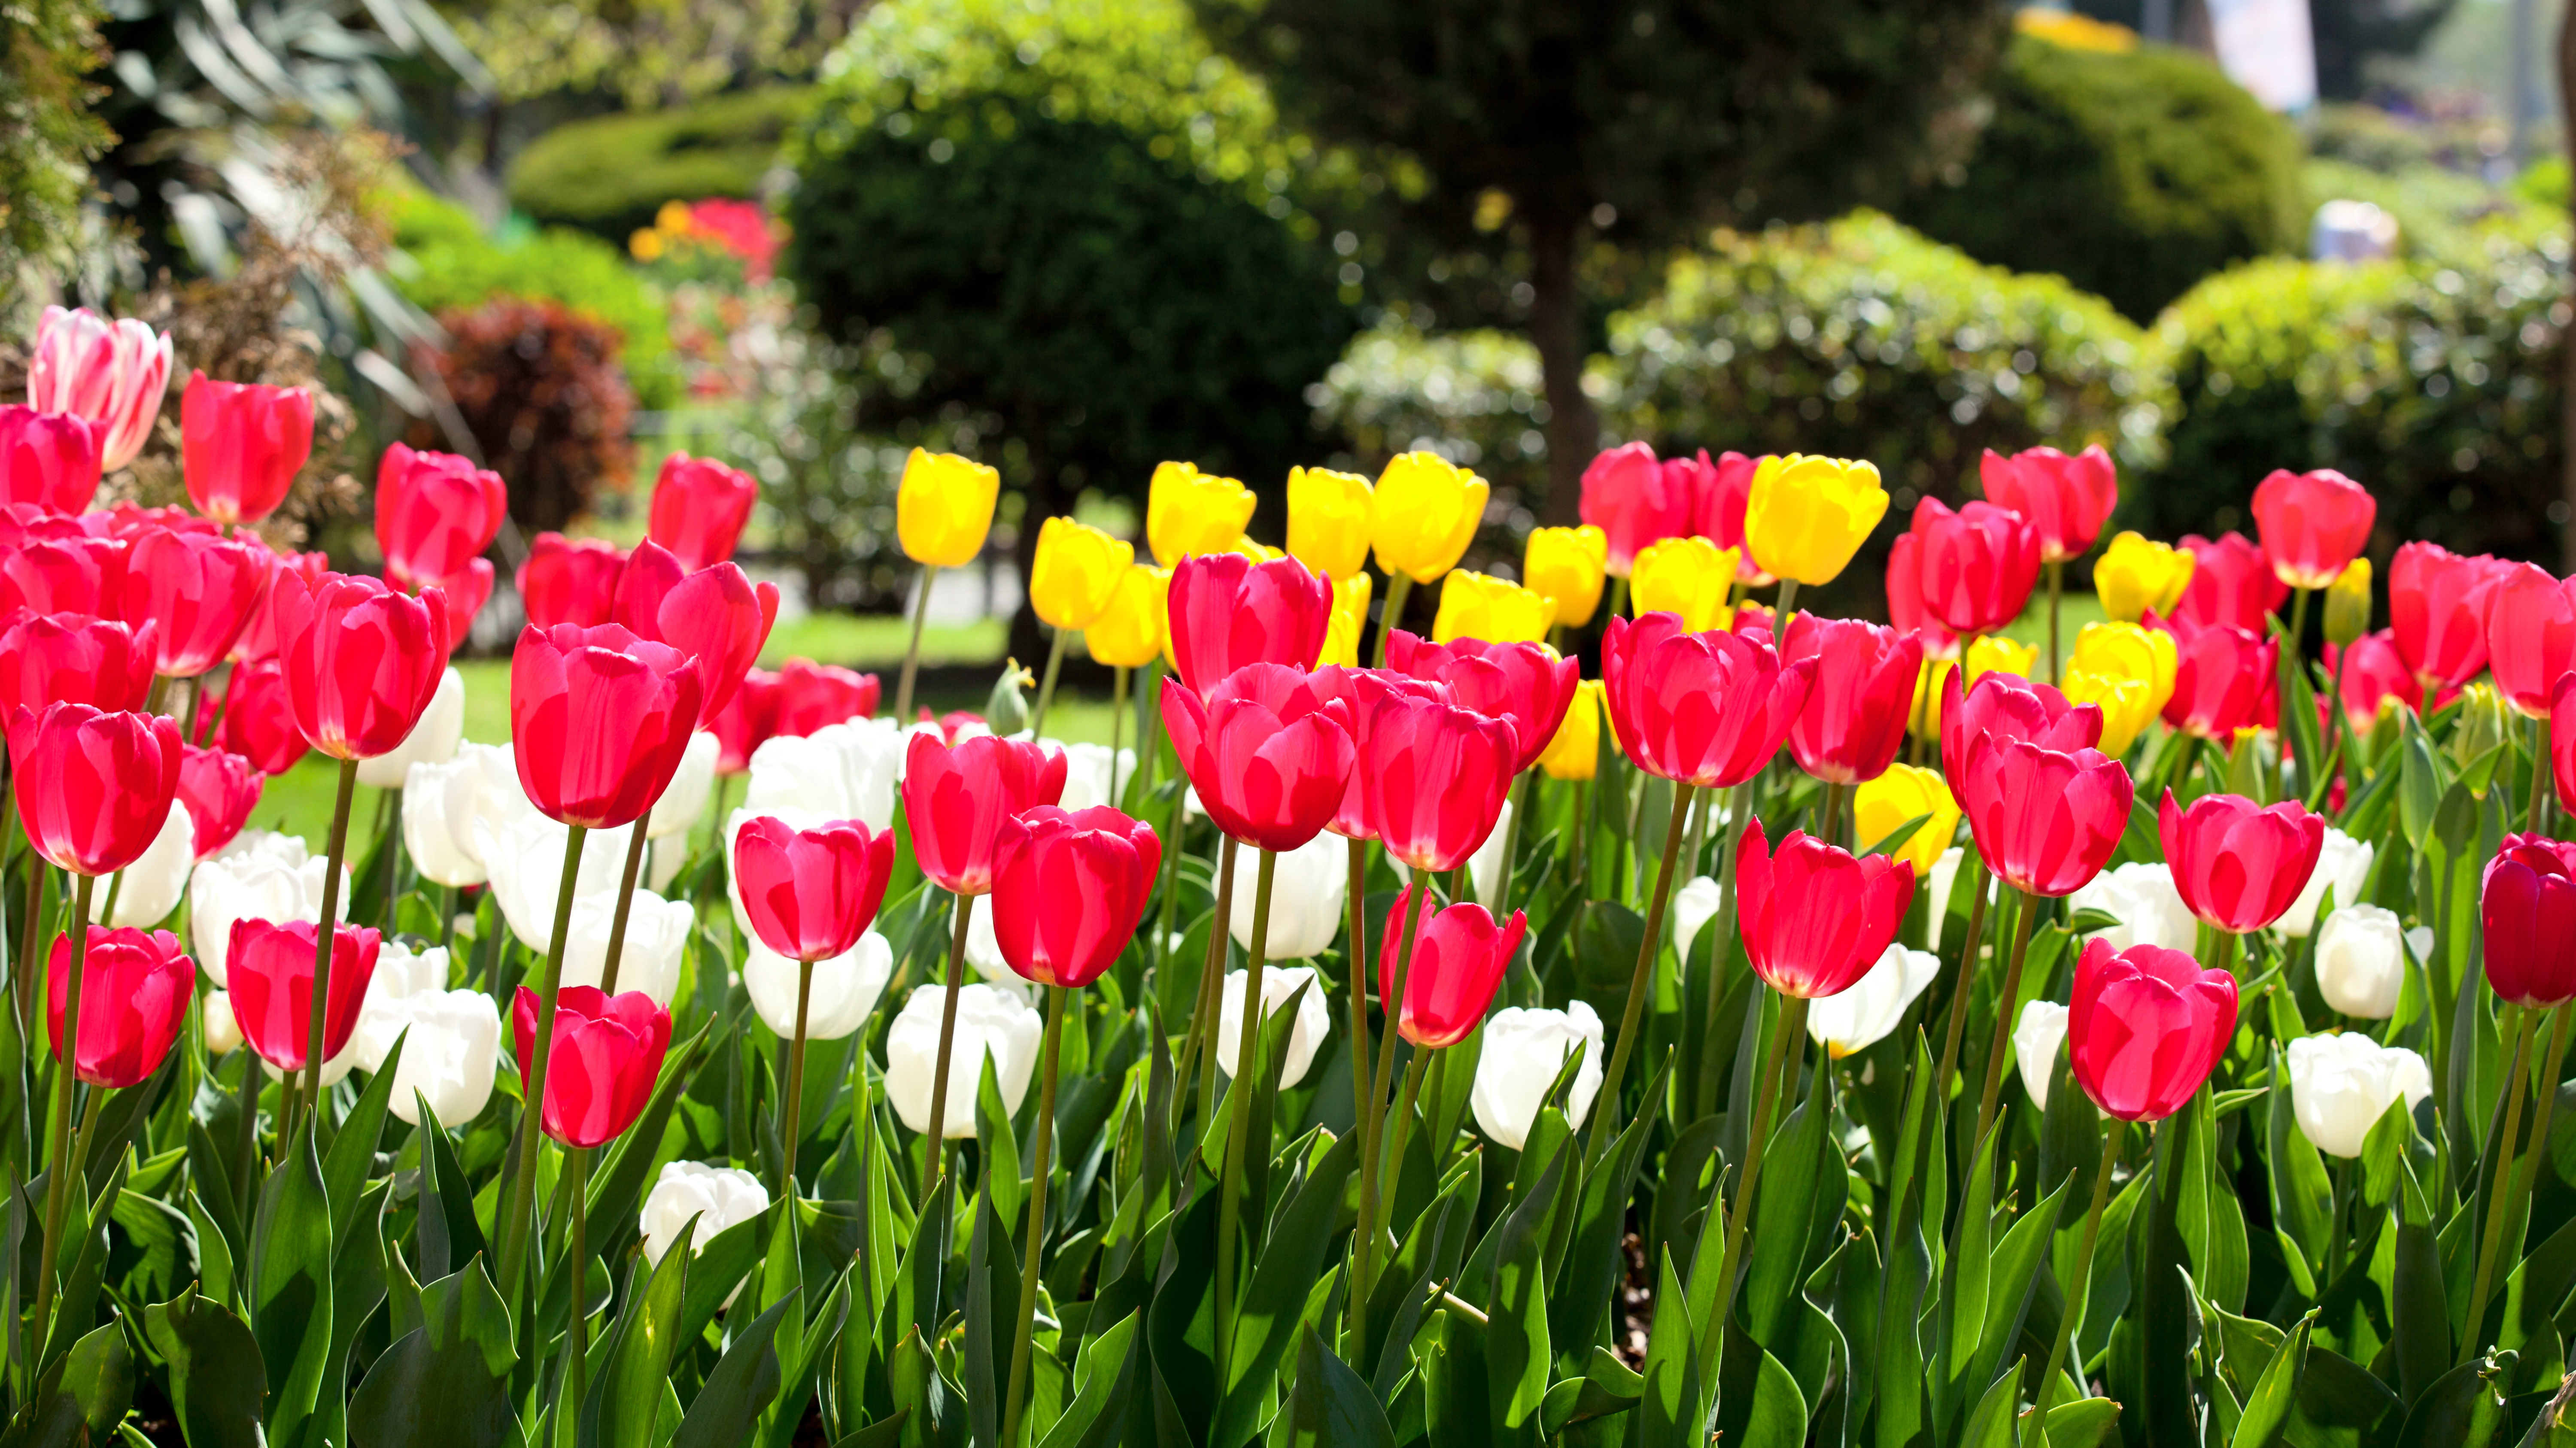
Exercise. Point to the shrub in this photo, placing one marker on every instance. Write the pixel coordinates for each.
(2131, 175)
(540, 389)
(608, 175)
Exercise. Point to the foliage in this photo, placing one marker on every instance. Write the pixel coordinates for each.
(2439, 211)
(611, 174)
(47, 136)
(540, 389)
(1472, 396)
(650, 53)
(2132, 175)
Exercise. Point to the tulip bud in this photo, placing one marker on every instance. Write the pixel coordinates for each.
(1574, 751)
(242, 444)
(990, 1023)
(1423, 514)
(2361, 961)
(944, 508)
(2342, 1082)
(1689, 576)
(1314, 1019)
(1328, 521)
(714, 1197)
(1974, 567)
(1566, 565)
(1806, 516)
(2036, 1038)
(843, 994)
(1475, 606)
(1523, 1054)
(1863, 1015)
(2348, 604)
(1309, 890)
(2482, 724)
(699, 508)
(1189, 512)
(2135, 575)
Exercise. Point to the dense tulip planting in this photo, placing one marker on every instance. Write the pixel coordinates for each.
(1803, 1030)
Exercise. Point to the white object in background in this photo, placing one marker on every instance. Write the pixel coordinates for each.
(2352, 231)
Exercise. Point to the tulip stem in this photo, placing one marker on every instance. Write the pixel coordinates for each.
(791, 1103)
(1203, 1009)
(1963, 988)
(31, 937)
(1399, 585)
(115, 887)
(1582, 829)
(912, 652)
(936, 1136)
(2493, 1235)
(1357, 956)
(1015, 1396)
(625, 901)
(2024, 917)
(1521, 791)
(317, 1040)
(1788, 609)
(1117, 730)
(66, 1077)
(1247, 1067)
(2080, 1289)
(2556, 1061)
(1732, 799)
(245, 1161)
(391, 806)
(1780, 1059)
(1402, 1125)
(577, 1326)
(2056, 585)
(1605, 1119)
(2540, 767)
(2291, 650)
(523, 1185)
(1391, 1002)
(1046, 695)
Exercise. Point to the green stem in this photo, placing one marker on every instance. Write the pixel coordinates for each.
(1357, 900)
(2556, 1061)
(2081, 1288)
(1964, 987)
(1247, 1058)
(1787, 610)
(1171, 887)
(2000, 1047)
(1399, 586)
(2540, 770)
(1605, 1116)
(935, 1138)
(635, 846)
(317, 1042)
(1722, 948)
(1521, 792)
(246, 1158)
(2498, 1209)
(2292, 647)
(115, 887)
(912, 651)
(523, 1185)
(1117, 729)
(1195, 1050)
(394, 854)
(1392, 1003)
(1016, 1394)
(792, 1103)
(1783, 1049)
(577, 1327)
(65, 1141)
(1406, 1100)
(31, 936)
(1582, 825)
(1046, 685)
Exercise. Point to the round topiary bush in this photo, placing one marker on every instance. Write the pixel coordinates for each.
(610, 174)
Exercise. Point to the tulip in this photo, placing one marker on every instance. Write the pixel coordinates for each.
(1975, 567)
(219, 790)
(2009, 707)
(361, 661)
(1805, 517)
(1905, 607)
(2237, 864)
(2562, 739)
(810, 893)
(955, 799)
(1854, 717)
(1707, 709)
(715, 1198)
(1633, 502)
(1694, 905)
(2531, 635)
(2223, 677)
(269, 972)
(742, 726)
(1524, 1052)
(989, 1023)
(1433, 778)
(1309, 894)
(684, 801)
(1078, 570)
(2341, 1083)
(1814, 919)
(2361, 961)
(1990, 654)
(2140, 897)
(1350, 616)
(49, 461)
(1475, 606)
(1425, 511)
(146, 890)
(1328, 521)
(2312, 524)
(1459, 956)
(1866, 1014)
(65, 575)
(199, 589)
(74, 658)
(465, 591)
(137, 987)
(715, 613)
(242, 443)
(2045, 820)
(258, 641)
(812, 696)
(1305, 1036)
(1945, 874)
(2527, 906)
(1526, 684)
(2132, 651)
(600, 719)
(259, 720)
(433, 740)
(1574, 751)
(1721, 491)
(1688, 576)
(2066, 499)
(93, 788)
(2037, 1037)
(223, 1033)
(1269, 751)
(400, 975)
(841, 771)
(1565, 566)
(435, 513)
(2347, 613)
(944, 508)
(111, 373)
(839, 995)
(2343, 865)
(2128, 705)
(1226, 611)
(603, 1056)
(525, 854)
(1190, 513)
(567, 580)
(699, 508)
(1128, 634)
(2437, 612)
(2146, 1027)
(451, 1048)
(261, 876)
(2231, 582)
(1900, 793)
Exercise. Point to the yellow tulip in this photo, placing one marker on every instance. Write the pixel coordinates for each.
(944, 507)
(1423, 515)
(1989, 654)
(1576, 750)
(1476, 606)
(2348, 604)
(1689, 576)
(1328, 520)
(1129, 633)
(1188, 511)
(2127, 651)
(1252, 548)
(1806, 516)
(1077, 569)
(1923, 717)
(1350, 615)
(1995, 654)
(2135, 574)
(1904, 792)
(1567, 565)
(2127, 704)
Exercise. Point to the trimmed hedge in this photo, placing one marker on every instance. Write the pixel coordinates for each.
(610, 174)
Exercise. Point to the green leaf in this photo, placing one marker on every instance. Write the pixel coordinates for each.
(448, 1234)
(1516, 1338)
(617, 1180)
(1992, 1423)
(743, 1385)
(992, 1273)
(2084, 1423)
(715, 1273)
(1668, 1414)
(1101, 1389)
(1759, 1405)
(2447, 1413)
(622, 1404)
(2012, 1279)
(1801, 1170)
(1000, 1145)
(81, 1395)
(2422, 1322)
(1329, 1406)
(2268, 1407)
(1282, 1275)
(446, 1383)
(216, 1384)
(1180, 1328)
(2302, 1195)
(353, 1151)
(1593, 1262)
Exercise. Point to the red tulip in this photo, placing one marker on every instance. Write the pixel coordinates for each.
(129, 522)
(2045, 820)
(1269, 750)
(1708, 709)
(135, 990)
(1358, 689)
(811, 696)
(93, 788)
(71, 657)
(810, 894)
(361, 660)
(951, 725)
(570, 581)
(1814, 918)
(2562, 737)
(747, 722)
(1529, 685)
(2373, 672)
(2527, 906)
(259, 639)
(955, 798)
(1854, 718)
(2004, 707)
(220, 789)
(2531, 635)
(1433, 778)
(601, 1063)
(2313, 524)
(1975, 566)
(2146, 1027)
(2066, 499)
(2238, 865)
(268, 967)
(48, 459)
(1459, 956)
(598, 721)
(699, 508)
(1068, 890)
(1905, 608)
(66, 574)
(714, 613)
(201, 589)
(435, 513)
(1227, 611)
(1635, 501)
(241, 444)
(2437, 611)
(1719, 516)
(2224, 679)
(259, 721)
(466, 591)
(2231, 583)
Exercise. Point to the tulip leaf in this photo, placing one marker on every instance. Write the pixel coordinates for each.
(1431, 1251)
(1990, 1424)
(1899, 837)
(1593, 1264)
(1668, 1408)
(1759, 1404)
(216, 1384)
(2012, 1281)
(2084, 1423)
(1802, 1190)
(1607, 937)
(1282, 1274)
(1106, 1377)
(1516, 1332)
(352, 1156)
(2454, 1408)
(1180, 1327)
(2302, 1195)
(1458, 1401)
(448, 1232)
(81, 1396)
(626, 1396)
(1329, 1406)
(2269, 1405)
(2168, 1312)
(2417, 1310)
(1000, 1145)
(447, 1381)
(617, 1181)
(992, 1297)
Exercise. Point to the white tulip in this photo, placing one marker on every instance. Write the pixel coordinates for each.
(1313, 1023)
(400, 975)
(1485, 867)
(1523, 1054)
(1862, 1015)
(223, 1031)
(525, 855)
(2142, 898)
(1694, 905)
(984, 952)
(2036, 1037)
(657, 934)
(1088, 778)
(714, 1197)
(261, 875)
(2419, 943)
(844, 992)
(449, 1055)
(1309, 891)
(1945, 874)
(431, 741)
(2342, 1082)
(2344, 864)
(684, 800)
(147, 890)
(2361, 961)
(438, 818)
(845, 771)
(989, 1022)
(662, 862)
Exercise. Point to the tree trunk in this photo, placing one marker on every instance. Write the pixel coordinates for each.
(1556, 328)
(2567, 335)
